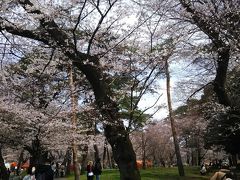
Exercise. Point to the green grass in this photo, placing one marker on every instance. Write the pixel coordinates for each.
(155, 174)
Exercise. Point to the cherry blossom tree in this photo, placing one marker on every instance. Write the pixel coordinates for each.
(41, 93)
(45, 24)
(218, 20)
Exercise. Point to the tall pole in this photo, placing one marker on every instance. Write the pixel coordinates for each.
(74, 103)
(173, 126)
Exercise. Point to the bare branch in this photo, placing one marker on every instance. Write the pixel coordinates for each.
(99, 24)
(78, 21)
(195, 92)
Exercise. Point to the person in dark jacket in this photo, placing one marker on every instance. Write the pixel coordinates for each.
(90, 174)
(44, 171)
(97, 169)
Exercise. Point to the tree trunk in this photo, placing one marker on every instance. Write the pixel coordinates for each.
(67, 159)
(74, 102)
(96, 152)
(193, 159)
(173, 126)
(4, 175)
(220, 79)
(162, 162)
(104, 153)
(122, 152)
(68, 162)
(143, 152)
(109, 159)
(114, 129)
(84, 159)
(20, 160)
(234, 159)
(38, 153)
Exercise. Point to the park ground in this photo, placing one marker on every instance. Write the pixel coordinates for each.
(154, 174)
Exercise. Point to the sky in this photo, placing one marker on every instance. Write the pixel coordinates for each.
(178, 73)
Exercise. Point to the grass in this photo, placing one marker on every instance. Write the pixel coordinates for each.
(191, 173)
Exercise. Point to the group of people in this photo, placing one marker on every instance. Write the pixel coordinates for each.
(94, 170)
(58, 169)
(225, 173)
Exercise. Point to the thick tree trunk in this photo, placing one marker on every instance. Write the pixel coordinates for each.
(221, 74)
(173, 126)
(38, 154)
(122, 152)
(4, 175)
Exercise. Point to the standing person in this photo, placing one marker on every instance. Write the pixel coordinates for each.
(97, 169)
(57, 169)
(203, 170)
(90, 174)
(62, 170)
(44, 172)
(54, 167)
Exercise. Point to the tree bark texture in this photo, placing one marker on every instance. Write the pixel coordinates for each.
(173, 126)
(38, 153)
(221, 74)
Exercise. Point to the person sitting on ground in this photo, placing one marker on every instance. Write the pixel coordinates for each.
(223, 174)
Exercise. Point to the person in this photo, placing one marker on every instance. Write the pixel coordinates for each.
(223, 174)
(97, 169)
(203, 169)
(30, 174)
(53, 165)
(62, 170)
(44, 171)
(90, 174)
(57, 170)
